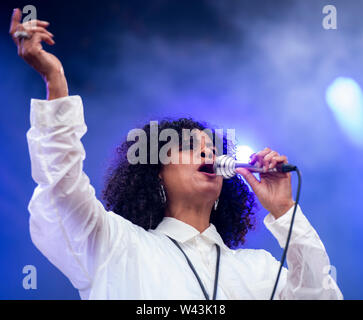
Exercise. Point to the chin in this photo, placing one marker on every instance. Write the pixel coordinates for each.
(211, 189)
(206, 187)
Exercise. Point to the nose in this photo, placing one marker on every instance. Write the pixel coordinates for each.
(208, 153)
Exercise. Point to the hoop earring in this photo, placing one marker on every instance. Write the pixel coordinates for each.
(216, 204)
(162, 194)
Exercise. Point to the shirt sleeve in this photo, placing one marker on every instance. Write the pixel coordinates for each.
(307, 276)
(67, 222)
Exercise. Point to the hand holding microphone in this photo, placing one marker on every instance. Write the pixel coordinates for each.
(226, 166)
(274, 188)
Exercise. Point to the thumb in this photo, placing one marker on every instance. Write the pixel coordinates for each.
(250, 178)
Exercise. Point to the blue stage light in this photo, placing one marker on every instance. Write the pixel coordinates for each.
(345, 98)
(243, 153)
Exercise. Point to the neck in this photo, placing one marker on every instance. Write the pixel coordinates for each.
(195, 215)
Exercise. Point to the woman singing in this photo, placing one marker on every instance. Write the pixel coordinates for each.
(168, 231)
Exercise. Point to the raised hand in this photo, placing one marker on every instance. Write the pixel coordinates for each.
(31, 50)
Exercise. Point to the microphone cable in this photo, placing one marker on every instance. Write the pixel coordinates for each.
(226, 166)
(283, 258)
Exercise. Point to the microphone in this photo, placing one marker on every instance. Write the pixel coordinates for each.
(226, 166)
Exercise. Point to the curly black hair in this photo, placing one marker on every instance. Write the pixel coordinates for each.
(132, 190)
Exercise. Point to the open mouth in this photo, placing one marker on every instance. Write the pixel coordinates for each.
(206, 168)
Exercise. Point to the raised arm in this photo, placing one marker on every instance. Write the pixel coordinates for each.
(67, 223)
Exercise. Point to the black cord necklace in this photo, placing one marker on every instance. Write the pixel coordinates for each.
(196, 274)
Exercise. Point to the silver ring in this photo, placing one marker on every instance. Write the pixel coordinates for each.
(21, 35)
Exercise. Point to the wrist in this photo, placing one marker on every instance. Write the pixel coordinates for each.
(282, 209)
(57, 86)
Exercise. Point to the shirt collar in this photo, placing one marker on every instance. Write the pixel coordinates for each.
(183, 232)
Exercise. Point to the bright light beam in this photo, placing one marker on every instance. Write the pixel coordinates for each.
(243, 153)
(345, 98)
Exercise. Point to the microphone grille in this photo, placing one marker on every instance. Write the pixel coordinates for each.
(225, 166)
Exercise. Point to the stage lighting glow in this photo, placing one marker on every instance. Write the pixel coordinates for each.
(345, 98)
(243, 153)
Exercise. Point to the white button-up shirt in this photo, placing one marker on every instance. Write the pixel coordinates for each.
(106, 256)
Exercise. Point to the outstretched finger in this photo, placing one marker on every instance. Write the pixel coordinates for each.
(39, 29)
(45, 37)
(15, 22)
(35, 22)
